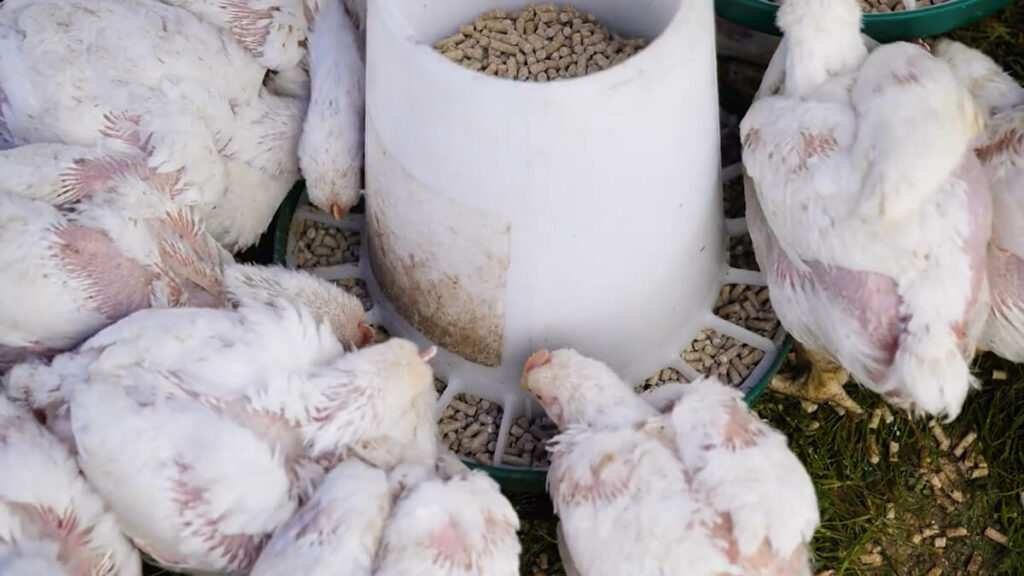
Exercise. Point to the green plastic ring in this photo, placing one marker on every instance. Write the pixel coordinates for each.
(888, 27)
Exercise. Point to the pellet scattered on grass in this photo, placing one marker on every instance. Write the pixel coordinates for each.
(809, 407)
(872, 559)
(887, 416)
(935, 571)
(958, 532)
(999, 375)
(319, 245)
(974, 565)
(939, 542)
(813, 425)
(964, 444)
(939, 434)
(873, 455)
(539, 43)
(876, 417)
(890, 511)
(469, 427)
(894, 451)
(997, 536)
(527, 442)
(829, 572)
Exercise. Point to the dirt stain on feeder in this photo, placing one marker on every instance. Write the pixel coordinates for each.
(447, 280)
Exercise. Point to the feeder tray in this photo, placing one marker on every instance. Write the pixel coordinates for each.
(505, 216)
(888, 27)
(296, 209)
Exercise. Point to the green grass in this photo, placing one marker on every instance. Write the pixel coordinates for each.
(853, 492)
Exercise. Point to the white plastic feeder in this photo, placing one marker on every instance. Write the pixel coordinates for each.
(507, 216)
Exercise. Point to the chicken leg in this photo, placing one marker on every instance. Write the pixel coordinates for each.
(820, 381)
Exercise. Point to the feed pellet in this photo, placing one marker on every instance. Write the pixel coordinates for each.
(539, 43)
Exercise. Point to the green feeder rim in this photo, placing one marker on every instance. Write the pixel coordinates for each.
(889, 27)
(518, 480)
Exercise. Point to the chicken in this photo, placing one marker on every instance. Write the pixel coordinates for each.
(337, 531)
(36, 385)
(704, 488)
(188, 97)
(1001, 151)
(275, 32)
(88, 237)
(205, 429)
(245, 283)
(455, 524)
(414, 519)
(51, 521)
(868, 212)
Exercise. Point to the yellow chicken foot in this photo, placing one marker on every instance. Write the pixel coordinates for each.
(820, 381)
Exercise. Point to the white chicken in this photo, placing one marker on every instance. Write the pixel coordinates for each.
(248, 283)
(52, 523)
(704, 489)
(868, 211)
(337, 531)
(455, 524)
(275, 32)
(78, 257)
(204, 429)
(1001, 151)
(191, 99)
(36, 385)
(411, 520)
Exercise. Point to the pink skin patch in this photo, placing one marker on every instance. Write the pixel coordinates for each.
(188, 261)
(871, 298)
(249, 26)
(1006, 277)
(113, 284)
(1011, 143)
(88, 176)
(63, 527)
(127, 127)
(450, 547)
(740, 430)
(600, 486)
(239, 551)
(979, 209)
(811, 146)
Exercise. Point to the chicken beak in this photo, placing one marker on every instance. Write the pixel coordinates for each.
(429, 353)
(337, 211)
(366, 333)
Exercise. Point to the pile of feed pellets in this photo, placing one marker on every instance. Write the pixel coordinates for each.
(539, 43)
